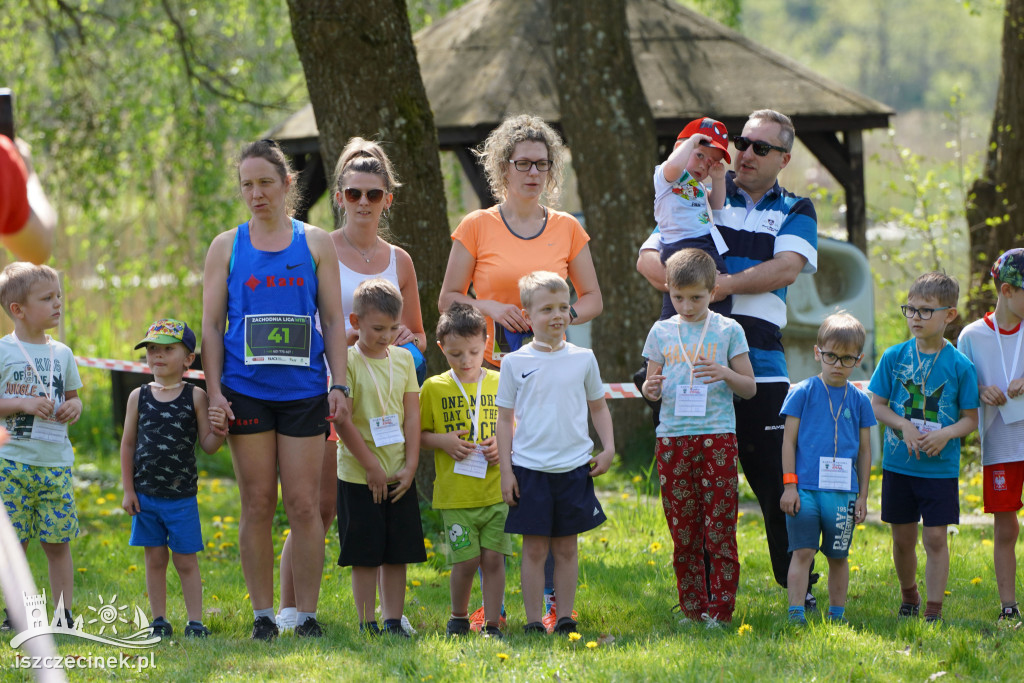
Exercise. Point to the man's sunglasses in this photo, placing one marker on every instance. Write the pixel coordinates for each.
(354, 194)
(761, 148)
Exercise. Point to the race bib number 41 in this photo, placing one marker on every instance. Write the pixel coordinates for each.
(278, 339)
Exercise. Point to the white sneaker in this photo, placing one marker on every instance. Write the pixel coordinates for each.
(710, 621)
(286, 619)
(407, 627)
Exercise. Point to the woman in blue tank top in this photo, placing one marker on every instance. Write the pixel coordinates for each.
(264, 283)
(364, 186)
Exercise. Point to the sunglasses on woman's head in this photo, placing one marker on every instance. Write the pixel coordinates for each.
(354, 194)
(761, 148)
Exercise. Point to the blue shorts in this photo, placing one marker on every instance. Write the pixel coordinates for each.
(826, 516)
(167, 522)
(907, 499)
(554, 504)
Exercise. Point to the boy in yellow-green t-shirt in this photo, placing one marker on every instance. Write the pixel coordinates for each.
(457, 416)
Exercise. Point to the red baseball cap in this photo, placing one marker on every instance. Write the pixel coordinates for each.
(14, 208)
(713, 129)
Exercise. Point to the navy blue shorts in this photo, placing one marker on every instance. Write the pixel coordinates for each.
(907, 499)
(373, 534)
(167, 522)
(554, 504)
(301, 417)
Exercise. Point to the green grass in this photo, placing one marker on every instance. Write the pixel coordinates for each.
(626, 592)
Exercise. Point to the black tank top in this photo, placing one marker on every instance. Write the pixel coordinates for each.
(165, 446)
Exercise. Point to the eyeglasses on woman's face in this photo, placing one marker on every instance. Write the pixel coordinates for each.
(523, 165)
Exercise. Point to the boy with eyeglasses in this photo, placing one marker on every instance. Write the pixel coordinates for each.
(926, 393)
(683, 205)
(994, 345)
(826, 464)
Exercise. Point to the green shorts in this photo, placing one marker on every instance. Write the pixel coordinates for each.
(467, 530)
(40, 501)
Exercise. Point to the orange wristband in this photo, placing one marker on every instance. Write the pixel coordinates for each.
(789, 478)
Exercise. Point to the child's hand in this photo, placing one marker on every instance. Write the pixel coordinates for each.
(130, 503)
(340, 407)
(405, 478)
(1016, 388)
(709, 370)
(860, 509)
(69, 411)
(652, 387)
(377, 481)
(509, 489)
(992, 395)
(490, 447)
(790, 501)
(717, 172)
(932, 443)
(600, 463)
(38, 406)
(218, 421)
(912, 438)
(456, 447)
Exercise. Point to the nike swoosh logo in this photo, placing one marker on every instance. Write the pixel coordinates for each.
(291, 267)
(527, 374)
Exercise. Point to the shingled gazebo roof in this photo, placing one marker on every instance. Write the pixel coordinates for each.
(490, 58)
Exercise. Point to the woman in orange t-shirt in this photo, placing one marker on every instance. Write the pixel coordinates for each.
(492, 248)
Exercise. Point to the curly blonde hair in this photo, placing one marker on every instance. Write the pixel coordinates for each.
(501, 143)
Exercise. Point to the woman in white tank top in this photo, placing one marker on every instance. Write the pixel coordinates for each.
(364, 188)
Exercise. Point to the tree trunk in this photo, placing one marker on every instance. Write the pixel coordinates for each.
(363, 79)
(610, 130)
(995, 208)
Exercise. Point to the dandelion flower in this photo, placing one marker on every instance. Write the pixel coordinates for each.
(101, 501)
(744, 629)
(592, 644)
(574, 637)
(82, 570)
(246, 597)
(637, 479)
(215, 598)
(602, 540)
(860, 527)
(655, 547)
(430, 555)
(111, 497)
(217, 518)
(740, 514)
(210, 544)
(625, 496)
(203, 473)
(427, 543)
(976, 580)
(229, 520)
(855, 568)
(973, 498)
(286, 532)
(219, 535)
(949, 592)
(415, 583)
(133, 568)
(650, 562)
(986, 542)
(502, 656)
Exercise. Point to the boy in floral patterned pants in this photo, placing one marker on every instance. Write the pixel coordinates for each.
(696, 361)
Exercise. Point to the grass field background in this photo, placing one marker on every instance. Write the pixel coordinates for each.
(625, 598)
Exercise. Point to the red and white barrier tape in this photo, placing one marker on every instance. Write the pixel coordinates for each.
(611, 390)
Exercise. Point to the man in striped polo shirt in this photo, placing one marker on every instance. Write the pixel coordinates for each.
(772, 236)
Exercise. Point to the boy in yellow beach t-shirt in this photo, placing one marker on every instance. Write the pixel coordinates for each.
(458, 415)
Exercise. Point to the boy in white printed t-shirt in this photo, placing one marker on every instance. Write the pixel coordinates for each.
(40, 383)
(994, 345)
(544, 448)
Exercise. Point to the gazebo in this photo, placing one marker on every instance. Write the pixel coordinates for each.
(494, 57)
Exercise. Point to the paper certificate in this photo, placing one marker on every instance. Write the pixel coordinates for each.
(835, 474)
(386, 430)
(691, 400)
(473, 466)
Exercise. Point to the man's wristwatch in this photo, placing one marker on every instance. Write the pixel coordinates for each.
(342, 388)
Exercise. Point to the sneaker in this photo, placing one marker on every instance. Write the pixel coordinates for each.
(810, 603)
(6, 625)
(161, 628)
(310, 628)
(534, 627)
(394, 628)
(458, 626)
(407, 626)
(286, 619)
(264, 628)
(370, 628)
(1009, 613)
(933, 619)
(565, 626)
(477, 620)
(837, 619)
(798, 620)
(195, 629)
(908, 609)
(710, 622)
(551, 618)
(493, 632)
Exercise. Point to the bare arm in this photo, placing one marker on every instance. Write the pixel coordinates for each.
(411, 429)
(650, 266)
(209, 439)
(790, 501)
(860, 507)
(457, 277)
(332, 318)
(778, 272)
(215, 311)
(34, 241)
(130, 502)
(652, 387)
(412, 316)
(602, 417)
(676, 163)
(504, 429)
(742, 381)
(589, 303)
(376, 478)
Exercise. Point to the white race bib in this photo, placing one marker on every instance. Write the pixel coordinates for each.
(835, 474)
(924, 426)
(473, 466)
(691, 400)
(49, 430)
(386, 430)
